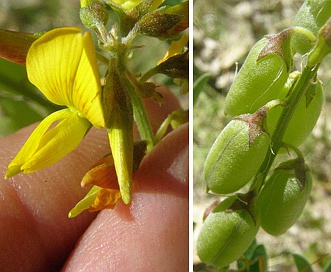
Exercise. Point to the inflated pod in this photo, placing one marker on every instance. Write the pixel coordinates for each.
(304, 118)
(226, 234)
(259, 80)
(235, 156)
(282, 199)
(312, 15)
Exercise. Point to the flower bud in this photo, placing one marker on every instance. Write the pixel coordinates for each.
(158, 24)
(236, 155)
(14, 45)
(176, 66)
(93, 14)
(283, 197)
(262, 76)
(226, 233)
(165, 22)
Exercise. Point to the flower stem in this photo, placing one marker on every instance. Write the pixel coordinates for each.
(304, 31)
(141, 118)
(149, 74)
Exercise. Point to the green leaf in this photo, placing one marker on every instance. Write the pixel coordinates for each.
(302, 263)
(198, 86)
(328, 268)
(256, 258)
(248, 255)
(15, 114)
(260, 259)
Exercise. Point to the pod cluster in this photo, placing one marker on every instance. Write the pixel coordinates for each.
(234, 165)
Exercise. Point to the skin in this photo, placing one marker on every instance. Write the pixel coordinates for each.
(150, 234)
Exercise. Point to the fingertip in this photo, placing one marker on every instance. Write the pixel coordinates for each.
(166, 168)
(158, 112)
(151, 234)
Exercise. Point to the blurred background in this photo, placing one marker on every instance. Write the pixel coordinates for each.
(224, 32)
(20, 103)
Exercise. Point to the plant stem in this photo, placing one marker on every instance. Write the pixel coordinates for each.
(315, 57)
(140, 115)
(298, 92)
(149, 74)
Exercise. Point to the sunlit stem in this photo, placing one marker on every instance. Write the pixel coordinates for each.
(322, 46)
(304, 31)
(298, 92)
(274, 103)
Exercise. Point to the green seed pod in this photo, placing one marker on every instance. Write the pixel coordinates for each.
(282, 199)
(312, 15)
(262, 76)
(304, 118)
(236, 155)
(226, 233)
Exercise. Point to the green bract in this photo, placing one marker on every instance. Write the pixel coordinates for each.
(312, 15)
(226, 234)
(258, 81)
(304, 118)
(282, 200)
(235, 156)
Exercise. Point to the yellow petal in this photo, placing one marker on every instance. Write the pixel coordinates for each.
(85, 203)
(62, 65)
(85, 3)
(57, 142)
(156, 4)
(95, 200)
(125, 4)
(101, 174)
(52, 63)
(31, 145)
(106, 199)
(130, 4)
(175, 48)
(87, 96)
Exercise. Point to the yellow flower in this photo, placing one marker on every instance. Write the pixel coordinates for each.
(106, 187)
(85, 3)
(105, 193)
(96, 199)
(177, 56)
(62, 65)
(176, 47)
(127, 5)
